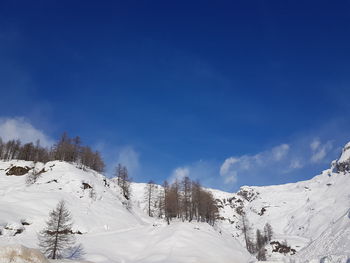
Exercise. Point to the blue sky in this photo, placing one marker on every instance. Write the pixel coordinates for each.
(231, 93)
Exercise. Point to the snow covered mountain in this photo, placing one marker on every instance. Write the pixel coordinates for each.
(303, 215)
(109, 230)
(310, 219)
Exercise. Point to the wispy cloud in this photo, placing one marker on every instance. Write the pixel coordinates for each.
(179, 173)
(129, 157)
(233, 167)
(319, 150)
(20, 128)
(295, 164)
(304, 156)
(204, 171)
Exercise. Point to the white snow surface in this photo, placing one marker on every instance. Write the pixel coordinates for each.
(345, 156)
(111, 232)
(311, 216)
(333, 242)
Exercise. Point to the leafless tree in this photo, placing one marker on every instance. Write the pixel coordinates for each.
(186, 189)
(57, 236)
(268, 231)
(246, 234)
(190, 201)
(150, 196)
(66, 149)
(123, 180)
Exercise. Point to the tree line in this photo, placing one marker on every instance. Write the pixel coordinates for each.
(65, 149)
(256, 246)
(185, 200)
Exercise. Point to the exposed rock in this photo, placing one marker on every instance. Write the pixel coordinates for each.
(18, 170)
(86, 186)
(282, 248)
(247, 193)
(343, 163)
(262, 211)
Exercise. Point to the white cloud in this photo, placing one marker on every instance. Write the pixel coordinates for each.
(19, 128)
(232, 167)
(315, 144)
(227, 163)
(279, 152)
(203, 171)
(319, 150)
(179, 173)
(128, 157)
(295, 164)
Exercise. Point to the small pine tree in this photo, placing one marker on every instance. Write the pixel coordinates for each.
(57, 236)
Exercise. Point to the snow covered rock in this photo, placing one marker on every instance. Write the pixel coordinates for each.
(309, 217)
(21, 254)
(333, 245)
(110, 232)
(343, 163)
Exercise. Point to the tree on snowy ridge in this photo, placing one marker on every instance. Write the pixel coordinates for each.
(123, 180)
(66, 149)
(150, 196)
(57, 236)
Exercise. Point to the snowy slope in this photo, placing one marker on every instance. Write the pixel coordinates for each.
(310, 216)
(299, 213)
(109, 230)
(333, 242)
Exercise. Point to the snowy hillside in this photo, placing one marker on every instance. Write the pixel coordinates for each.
(310, 219)
(334, 242)
(108, 230)
(301, 214)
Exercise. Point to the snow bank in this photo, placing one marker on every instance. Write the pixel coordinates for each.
(21, 254)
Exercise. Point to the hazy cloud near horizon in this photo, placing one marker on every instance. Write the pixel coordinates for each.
(22, 129)
(278, 161)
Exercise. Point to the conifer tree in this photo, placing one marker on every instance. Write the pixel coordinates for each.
(57, 236)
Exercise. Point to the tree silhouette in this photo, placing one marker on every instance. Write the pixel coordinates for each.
(57, 236)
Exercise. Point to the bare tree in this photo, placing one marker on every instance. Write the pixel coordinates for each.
(66, 149)
(186, 189)
(150, 194)
(260, 246)
(166, 201)
(246, 233)
(268, 231)
(188, 200)
(123, 180)
(57, 236)
(261, 256)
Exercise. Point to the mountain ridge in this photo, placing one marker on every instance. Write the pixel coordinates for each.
(302, 214)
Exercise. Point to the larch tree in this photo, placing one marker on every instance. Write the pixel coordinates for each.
(123, 180)
(246, 234)
(57, 236)
(150, 195)
(186, 189)
(268, 231)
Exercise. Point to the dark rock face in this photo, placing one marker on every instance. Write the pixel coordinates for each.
(86, 186)
(18, 170)
(282, 248)
(248, 194)
(343, 164)
(343, 167)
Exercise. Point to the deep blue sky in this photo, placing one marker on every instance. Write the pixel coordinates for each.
(183, 84)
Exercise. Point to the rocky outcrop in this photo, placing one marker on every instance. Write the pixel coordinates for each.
(18, 170)
(343, 163)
